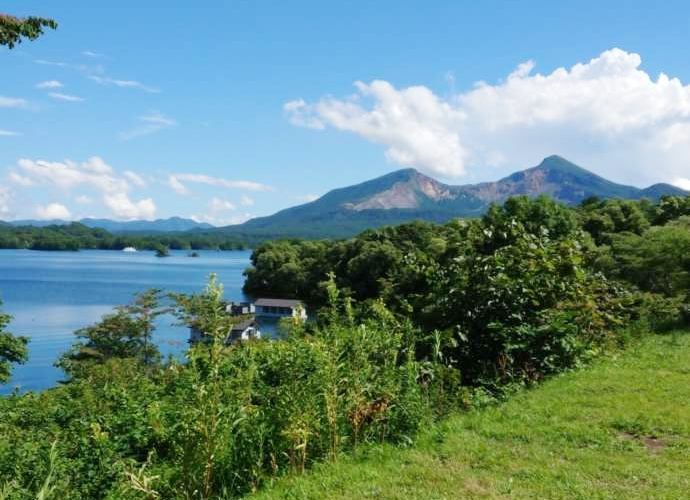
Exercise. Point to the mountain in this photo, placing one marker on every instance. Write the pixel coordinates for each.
(172, 224)
(407, 195)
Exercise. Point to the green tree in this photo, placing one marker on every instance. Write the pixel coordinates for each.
(12, 348)
(125, 333)
(14, 29)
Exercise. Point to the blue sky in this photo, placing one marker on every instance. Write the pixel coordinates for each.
(222, 111)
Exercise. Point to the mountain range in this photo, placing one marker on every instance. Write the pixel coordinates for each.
(407, 194)
(398, 197)
(172, 224)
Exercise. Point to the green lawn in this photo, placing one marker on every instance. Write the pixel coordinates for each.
(618, 429)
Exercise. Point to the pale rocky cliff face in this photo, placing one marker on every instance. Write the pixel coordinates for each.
(405, 194)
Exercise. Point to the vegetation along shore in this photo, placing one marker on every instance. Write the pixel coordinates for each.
(417, 328)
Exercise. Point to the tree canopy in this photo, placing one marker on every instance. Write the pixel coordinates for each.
(13, 29)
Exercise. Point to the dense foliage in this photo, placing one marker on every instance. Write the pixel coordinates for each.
(13, 29)
(76, 236)
(224, 421)
(412, 321)
(12, 348)
(524, 291)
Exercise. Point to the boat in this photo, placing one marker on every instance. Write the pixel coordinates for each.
(129, 249)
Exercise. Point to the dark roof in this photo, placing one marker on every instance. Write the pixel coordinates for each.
(243, 325)
(278, 302)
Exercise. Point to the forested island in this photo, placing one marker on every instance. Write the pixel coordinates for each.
(412, 323)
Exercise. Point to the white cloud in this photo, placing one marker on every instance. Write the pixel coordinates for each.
(67, 175)
(683, 183)
(132, 84)
(49, 84)
(90, 53)
(150, 123)
(12, 102)
(8, 133)
(221, 221)
(21, 180)
(217, 205)
(77, 67)
(59, 64)
(606, 114)
(65, 97)
(246, 201)
(177, 186)
(93, 174)
(175, 182)
(123, 208)
(134, 178)
(307, 197)
(97, 165)
(53, 211)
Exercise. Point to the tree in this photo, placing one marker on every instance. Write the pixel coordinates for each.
(125, 333)
(13, 29)
(12, 349)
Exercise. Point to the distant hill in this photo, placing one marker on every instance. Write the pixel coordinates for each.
(173, 224)
(398, 197)
(407, 195)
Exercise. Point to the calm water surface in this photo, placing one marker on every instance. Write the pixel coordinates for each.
(52, 294)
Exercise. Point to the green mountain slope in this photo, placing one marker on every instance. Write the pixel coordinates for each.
(407, 195)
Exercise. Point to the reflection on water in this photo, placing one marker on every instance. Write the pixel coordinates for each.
(52, 294)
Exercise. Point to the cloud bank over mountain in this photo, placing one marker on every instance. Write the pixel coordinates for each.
(608, 113)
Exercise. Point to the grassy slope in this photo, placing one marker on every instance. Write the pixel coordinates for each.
(619, 429)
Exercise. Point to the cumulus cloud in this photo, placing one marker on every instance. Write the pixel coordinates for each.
(49, 84)
(246, 201)
(12, 102)
(177, 186)
(606, 114)
(149, 124)
(21, 180)
(220, 213)
(175, 182)
(682, 183)
(65, 97)
(53, 211)
(124, 208)
(93, 174)
(67, 175)
(221, 221)
(97, 165)
(217, 205)
(134, 178)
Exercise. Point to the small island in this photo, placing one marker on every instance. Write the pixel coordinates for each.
(162, 251)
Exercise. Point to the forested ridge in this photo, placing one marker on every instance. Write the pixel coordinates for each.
(76, 236)
(411, 323)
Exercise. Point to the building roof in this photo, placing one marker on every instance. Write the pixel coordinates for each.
(243, 325)
(278, 302)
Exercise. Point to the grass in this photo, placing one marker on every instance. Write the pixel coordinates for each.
(618, 429)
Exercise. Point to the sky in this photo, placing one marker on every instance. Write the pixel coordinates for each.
(222, 111)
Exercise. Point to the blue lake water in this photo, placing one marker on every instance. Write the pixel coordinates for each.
(52, 294)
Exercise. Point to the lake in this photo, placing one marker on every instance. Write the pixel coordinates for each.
(52, 294)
